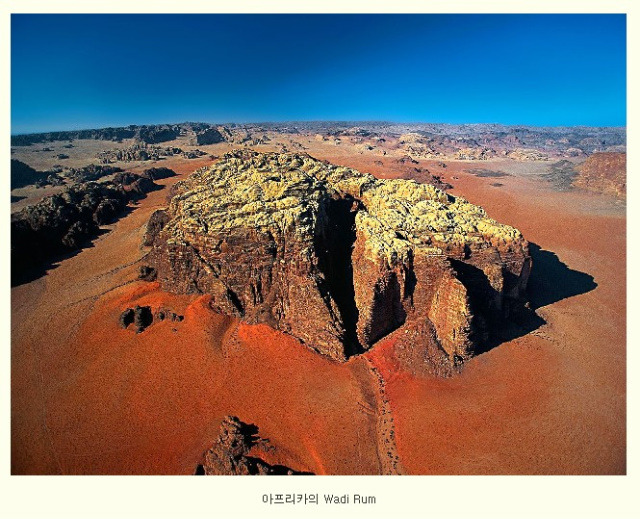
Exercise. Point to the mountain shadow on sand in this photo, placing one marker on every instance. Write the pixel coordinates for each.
(550, 281)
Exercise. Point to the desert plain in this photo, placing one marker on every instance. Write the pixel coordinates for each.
(92, 397)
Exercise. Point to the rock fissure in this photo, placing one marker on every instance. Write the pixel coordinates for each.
(334, 239)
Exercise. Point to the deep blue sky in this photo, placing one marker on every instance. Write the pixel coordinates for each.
(88, 71)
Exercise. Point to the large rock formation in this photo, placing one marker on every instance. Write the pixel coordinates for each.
(208, 136)
(604, 173)
(338, 258)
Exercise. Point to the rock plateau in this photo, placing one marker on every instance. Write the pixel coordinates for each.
(338, 258)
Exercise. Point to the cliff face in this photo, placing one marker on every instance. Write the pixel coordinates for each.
(336, 257)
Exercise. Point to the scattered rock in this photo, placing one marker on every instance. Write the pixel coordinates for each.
(164, 313)
(147, 273)
(142, 318)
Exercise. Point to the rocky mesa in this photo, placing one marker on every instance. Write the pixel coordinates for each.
(338, 258)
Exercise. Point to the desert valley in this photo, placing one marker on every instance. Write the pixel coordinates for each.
(319, 298)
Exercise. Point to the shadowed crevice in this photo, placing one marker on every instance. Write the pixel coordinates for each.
(334, 239)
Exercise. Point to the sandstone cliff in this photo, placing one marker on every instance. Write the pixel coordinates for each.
(338, 258)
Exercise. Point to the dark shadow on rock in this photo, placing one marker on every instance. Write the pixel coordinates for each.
(250, 433)
(552, 281)
(256, 466)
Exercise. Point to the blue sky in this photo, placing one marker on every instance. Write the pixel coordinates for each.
(89, 71)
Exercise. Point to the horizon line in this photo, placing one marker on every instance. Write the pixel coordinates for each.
(308, 121)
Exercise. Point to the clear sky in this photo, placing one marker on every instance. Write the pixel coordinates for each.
(90, 71)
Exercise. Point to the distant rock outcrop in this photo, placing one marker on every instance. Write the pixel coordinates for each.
(91, 173)
(156, 134)
(526, 155)
(475, 153)
(338, 258)
(24, 175)
(208, 136)
(604, 173)
(64, 222)
(138, 152)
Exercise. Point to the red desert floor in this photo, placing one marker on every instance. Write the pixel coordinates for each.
(89, 397)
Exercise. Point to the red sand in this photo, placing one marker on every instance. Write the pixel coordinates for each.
(552, 402)
(90, 397)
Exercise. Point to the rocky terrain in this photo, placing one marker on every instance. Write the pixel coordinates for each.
(421, 140)
(23, 175)
(604, 173)
(116, 371)
(137, 152)
(65, 222)
(90, 173)
(338, 258)
(229, 455)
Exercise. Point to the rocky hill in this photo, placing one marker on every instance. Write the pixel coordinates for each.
(233, 454)
(604, 173)
(66, 222)
(338, 258)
